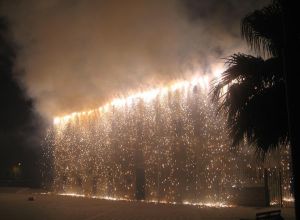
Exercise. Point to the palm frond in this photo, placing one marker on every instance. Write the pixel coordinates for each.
(254, 102)
(262, 122)
(253, 73)
(263, 31)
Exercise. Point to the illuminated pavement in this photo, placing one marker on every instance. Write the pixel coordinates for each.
(15, 205)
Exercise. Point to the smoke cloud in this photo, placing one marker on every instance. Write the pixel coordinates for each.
(75, 54)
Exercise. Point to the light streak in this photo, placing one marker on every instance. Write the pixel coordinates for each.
(200, 204)
(288, 199)
(146, 96)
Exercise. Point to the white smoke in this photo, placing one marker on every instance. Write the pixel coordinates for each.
(76, 55)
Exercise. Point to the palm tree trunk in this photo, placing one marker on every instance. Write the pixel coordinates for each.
(291, 71)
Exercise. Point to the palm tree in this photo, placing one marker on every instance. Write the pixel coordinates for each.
(252, 91)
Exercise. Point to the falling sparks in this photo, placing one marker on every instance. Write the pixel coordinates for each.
(171, 133)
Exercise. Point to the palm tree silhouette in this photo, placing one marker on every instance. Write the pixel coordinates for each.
(254, 91)
(254, 100)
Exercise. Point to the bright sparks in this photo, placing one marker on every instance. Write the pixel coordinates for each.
(199, 204)
(146, 96)
(171, 135)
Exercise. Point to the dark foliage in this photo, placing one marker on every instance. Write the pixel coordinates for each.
(251, 92)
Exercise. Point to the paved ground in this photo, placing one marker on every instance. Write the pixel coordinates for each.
(15, 205)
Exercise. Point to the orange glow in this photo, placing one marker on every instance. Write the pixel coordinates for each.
(146, 96)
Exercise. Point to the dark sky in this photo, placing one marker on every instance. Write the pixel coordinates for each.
(59, 56)
(19, 135)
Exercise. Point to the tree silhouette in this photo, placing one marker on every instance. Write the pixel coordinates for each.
(257, 93)
(251, 91)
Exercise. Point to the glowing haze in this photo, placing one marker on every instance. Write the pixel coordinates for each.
(146, 96)
(77, 55)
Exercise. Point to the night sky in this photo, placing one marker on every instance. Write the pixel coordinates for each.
(19, 135)
(69, 55)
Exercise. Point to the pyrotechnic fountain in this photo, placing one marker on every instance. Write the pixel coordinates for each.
(165, 144)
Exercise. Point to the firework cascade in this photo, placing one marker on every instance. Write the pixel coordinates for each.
(164, 145)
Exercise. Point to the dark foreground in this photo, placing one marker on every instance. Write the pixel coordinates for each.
(14, 204)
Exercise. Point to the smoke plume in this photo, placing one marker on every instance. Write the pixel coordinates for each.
(75, 55)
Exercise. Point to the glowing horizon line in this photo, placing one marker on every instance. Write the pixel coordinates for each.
(185, 202)
(147, 96)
